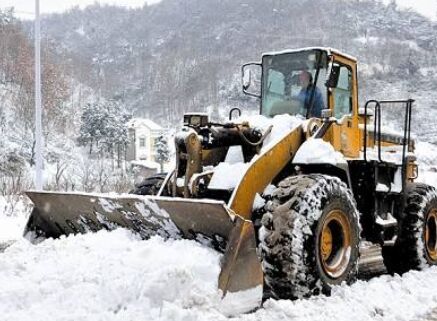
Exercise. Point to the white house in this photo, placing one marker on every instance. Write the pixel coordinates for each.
(142, 136)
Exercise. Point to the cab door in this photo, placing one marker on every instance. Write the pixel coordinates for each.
(344, 106)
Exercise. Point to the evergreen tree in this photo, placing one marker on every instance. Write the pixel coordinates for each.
(162, 151)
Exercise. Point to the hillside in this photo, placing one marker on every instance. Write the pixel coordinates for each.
(178, 55)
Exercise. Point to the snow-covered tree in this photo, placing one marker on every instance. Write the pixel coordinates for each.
(104, 127)
(162, 151)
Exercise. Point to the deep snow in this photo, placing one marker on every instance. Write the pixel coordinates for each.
(116, 276)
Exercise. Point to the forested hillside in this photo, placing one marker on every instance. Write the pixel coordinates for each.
(180, 55)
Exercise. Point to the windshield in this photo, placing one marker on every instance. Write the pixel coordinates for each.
(288, 84)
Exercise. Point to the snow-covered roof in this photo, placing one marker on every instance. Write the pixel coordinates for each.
(327, 49)
(136, 122)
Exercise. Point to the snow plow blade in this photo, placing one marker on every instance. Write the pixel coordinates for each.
(207, 221)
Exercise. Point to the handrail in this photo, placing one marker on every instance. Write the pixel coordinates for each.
(406, 145)
(377, 128)
(365, 125)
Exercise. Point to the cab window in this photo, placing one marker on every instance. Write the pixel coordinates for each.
(343, 93)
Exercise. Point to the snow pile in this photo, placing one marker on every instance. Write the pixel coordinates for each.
(234, 155)
(227, 176)
(108, 276)
(317, 151)
(382, 298)
(282, 125)
(116, 276)
(392, 154)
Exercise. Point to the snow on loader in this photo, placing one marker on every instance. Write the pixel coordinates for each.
(292, 197)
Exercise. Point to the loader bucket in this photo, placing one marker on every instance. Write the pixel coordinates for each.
(207, 221)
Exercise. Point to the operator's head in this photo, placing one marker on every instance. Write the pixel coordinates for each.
(305, 78)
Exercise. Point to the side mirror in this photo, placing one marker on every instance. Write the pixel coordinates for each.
(247, 79)
(251, 79)
(333, 76)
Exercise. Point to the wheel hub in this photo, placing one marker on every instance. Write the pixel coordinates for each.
(335, 243)
(431, 234)
(326, 246)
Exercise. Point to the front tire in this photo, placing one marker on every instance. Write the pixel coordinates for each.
(309, 239)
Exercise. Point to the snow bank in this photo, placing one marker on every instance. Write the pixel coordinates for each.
(108, 276)
(317, 151)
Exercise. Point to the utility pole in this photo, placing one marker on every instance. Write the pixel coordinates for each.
(38, 121)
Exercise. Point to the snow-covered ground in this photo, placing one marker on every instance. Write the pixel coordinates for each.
(117, 276)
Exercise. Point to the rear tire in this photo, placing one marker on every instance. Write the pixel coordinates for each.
(309, 239)
(150, 185)
(416, 246)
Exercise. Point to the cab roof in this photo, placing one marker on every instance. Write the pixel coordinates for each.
(327, 49)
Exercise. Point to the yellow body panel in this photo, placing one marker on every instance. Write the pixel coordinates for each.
(263, 170)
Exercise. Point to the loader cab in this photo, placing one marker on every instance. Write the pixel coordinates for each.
(332, 85)
(293, 83)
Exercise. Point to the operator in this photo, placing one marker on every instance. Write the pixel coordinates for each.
(304, 96)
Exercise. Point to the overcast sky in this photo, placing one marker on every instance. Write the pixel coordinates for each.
(25, 8)
(426, 7)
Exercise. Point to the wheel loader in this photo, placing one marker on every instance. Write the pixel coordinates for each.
(291, 205)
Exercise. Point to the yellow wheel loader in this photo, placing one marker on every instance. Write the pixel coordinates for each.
(292, 203)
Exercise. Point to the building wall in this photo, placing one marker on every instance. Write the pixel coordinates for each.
(142, 143)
